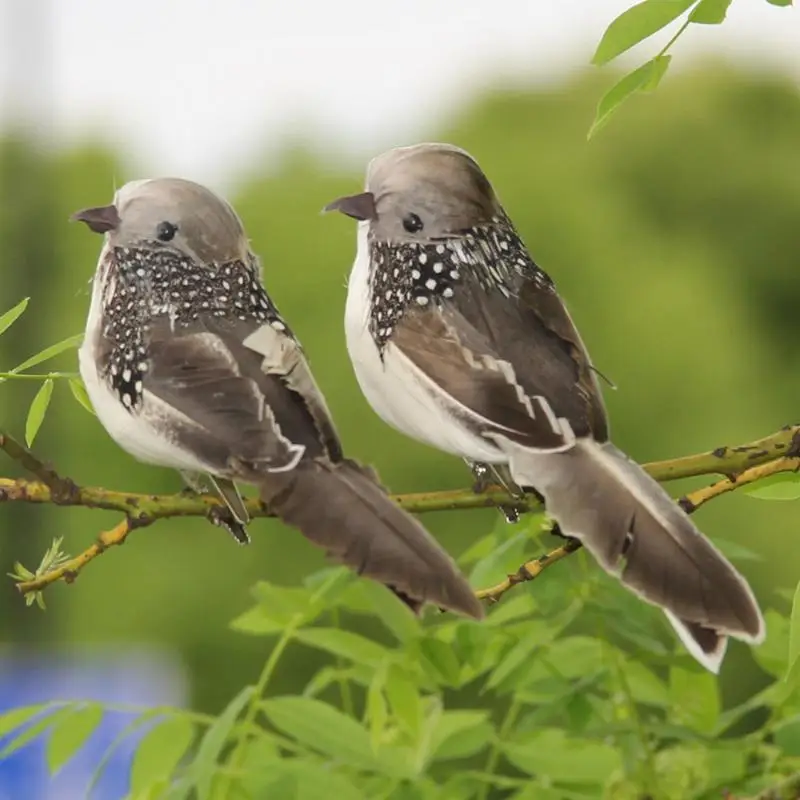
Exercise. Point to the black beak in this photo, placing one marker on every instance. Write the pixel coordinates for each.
(101, 220)
(357, 206)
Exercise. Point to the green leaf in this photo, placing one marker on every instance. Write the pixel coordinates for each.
(323, 728)
(304, 779)
(787, 736)
(770, 697)
(461, 734)
(794, 631)
(35, 730)
(50, 352)
(503, 559)
(783, 486)
(782, 3)
(79, 393)
(21, 572)
(119, 739)
(476, 647)
(325, 677)
(550, 753)
(538, 635)
(17, 717)
(70, 734)
(404, 699)
(369, 597)
(265, 747)
(771, 654)
(682, 770)
(646, 78)
(319, 782)
(327, 585)
(710, 12)
(37, 411)
(644, 686)
(12, 315)
(440, 661)
(478, 550)
(162, 789)
(160, 751)
(575, 656)
(205, 762)
(694, 699)
(278, 606)
(377, 711)
(256, 621)
(726, 764)
(511, 610)
(345, 644)
(636, 24)
(284, 602)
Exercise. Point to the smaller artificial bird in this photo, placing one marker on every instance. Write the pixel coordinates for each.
(189, 365)
(460, 340)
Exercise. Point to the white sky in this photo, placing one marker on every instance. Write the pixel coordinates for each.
(194, 87)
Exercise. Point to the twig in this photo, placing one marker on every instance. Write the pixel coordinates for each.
(729, 461)
(743, 464)
(528, 571)
(61, 489)
(70, 569)
(691, 502)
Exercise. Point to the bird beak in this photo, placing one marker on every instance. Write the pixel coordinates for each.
(101, 220)
(357, 206)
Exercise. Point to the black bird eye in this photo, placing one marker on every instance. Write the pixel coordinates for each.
(412, 223)
(166, 231)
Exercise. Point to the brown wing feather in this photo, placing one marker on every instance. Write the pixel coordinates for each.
(495, 354)
(452, 354)
(230, 406)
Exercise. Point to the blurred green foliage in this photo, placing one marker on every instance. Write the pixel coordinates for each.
(620, 714)
(674, 240)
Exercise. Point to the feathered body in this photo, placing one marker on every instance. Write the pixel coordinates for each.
(460, 340)
(189, 365)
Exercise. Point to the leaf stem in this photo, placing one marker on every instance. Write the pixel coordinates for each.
(31, 376)
(674, 39)
(262, 683)
(494, 752)
(345, 692)
(649, 765)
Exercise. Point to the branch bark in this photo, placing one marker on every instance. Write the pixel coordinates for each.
(740, 465)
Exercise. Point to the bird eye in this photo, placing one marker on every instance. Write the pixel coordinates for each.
(412, 223)
(166, 231)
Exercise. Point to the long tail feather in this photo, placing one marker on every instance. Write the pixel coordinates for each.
(636, 532)
(341, 508)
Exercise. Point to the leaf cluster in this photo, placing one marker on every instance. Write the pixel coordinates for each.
(570, 689)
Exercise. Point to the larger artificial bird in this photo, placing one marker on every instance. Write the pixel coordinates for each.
(189, 365)
(461, 341)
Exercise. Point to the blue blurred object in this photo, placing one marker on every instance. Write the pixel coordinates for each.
(140, 678)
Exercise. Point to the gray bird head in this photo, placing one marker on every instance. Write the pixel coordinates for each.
(173, 214)
(422, 192)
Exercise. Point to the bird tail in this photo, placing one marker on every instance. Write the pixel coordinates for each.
(342, 508)
(639, 534)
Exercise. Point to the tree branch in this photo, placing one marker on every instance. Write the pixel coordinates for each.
(62, 490)
(740, 465)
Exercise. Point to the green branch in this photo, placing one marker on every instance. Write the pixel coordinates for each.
(740, 465)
